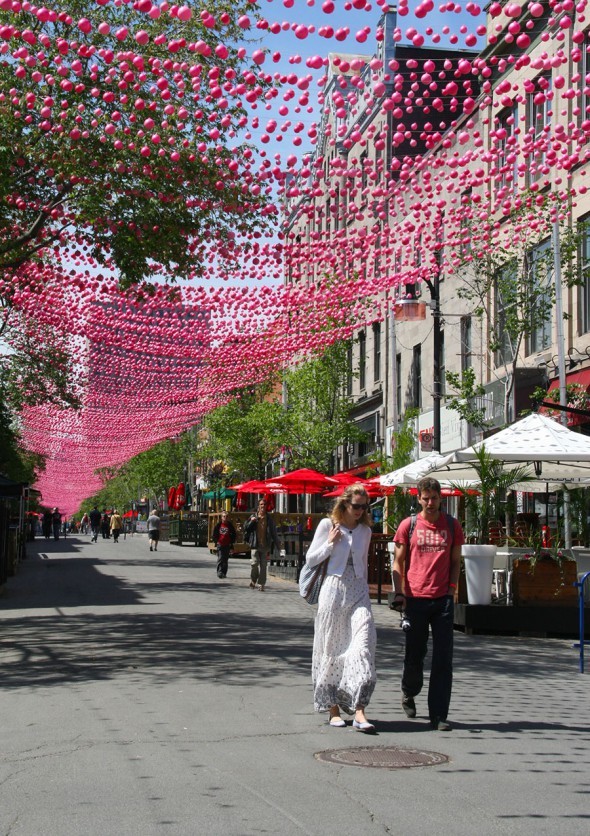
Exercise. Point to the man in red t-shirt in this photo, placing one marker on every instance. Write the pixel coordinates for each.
(425, 576)
(224, 536)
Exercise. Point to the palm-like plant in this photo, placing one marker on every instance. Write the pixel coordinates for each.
(493, 482)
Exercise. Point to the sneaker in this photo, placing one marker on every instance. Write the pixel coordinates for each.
(151, 549)
(409, 706)
(440, 725)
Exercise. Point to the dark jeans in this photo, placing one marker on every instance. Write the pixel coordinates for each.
(222, 560)
(436, 613)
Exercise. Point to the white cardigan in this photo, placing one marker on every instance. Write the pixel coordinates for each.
(338, 552)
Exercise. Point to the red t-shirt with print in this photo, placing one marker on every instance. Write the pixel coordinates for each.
(428, 557)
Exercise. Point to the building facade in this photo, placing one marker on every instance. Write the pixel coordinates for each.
(442, 180)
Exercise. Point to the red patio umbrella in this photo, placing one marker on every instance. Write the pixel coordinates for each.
(172, 497)
(180, 499)
(372, 489)
(258, 486)
(129, 515)
(304, 480)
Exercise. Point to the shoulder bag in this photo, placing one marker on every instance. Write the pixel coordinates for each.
(311, 579)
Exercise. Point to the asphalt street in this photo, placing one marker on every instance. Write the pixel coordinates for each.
(141, 695)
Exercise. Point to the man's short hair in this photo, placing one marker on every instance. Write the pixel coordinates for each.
(428, 483)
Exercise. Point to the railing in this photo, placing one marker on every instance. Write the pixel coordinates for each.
(188, 527)
(580, 585)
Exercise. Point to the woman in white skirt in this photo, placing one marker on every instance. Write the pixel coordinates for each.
(343, 666)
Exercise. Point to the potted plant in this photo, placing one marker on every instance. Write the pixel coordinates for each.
(484, 503)
(544, 576)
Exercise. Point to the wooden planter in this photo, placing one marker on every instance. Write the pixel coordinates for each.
(546, 583)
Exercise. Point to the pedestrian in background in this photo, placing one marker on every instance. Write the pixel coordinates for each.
(95, 520)
(224, 536)
(46, 523)
(56, 522)
(84, 522)
(426, 567)
(153, 527)
(116, 525)
(105, 525)
(260, 533)
(343, 664)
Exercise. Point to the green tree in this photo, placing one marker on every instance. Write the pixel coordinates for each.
(114, 139)
(318, 416)
(512, 290)
(38, 370)
(399, 502)
(246, 433)
(16, 463)
(150, 474)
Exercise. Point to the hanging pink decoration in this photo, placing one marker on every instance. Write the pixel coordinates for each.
(318, 163)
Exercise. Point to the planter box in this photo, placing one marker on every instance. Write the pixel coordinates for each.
(546, 583)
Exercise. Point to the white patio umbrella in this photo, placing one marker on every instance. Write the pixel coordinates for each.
(409, 474)
(555, 455)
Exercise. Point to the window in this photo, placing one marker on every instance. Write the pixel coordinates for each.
(505, 142)
(538, 122)
(506, 309)
(582, 108)
(349, 371)
(539, 272)
(584, 231)
(466, 342)
(466, 223)
(417, 377)
(362, 360)
(376, 352)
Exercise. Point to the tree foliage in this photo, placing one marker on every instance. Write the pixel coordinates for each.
(114, 140)
(38, 368)
(251, 431)
(148, 474)
(512, 289)
(318, 410)
(16, 463)
(246, 433)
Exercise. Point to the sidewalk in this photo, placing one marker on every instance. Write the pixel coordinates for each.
(141, 695)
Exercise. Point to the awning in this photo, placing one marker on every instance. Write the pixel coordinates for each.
(582, 377)
(10, 488)
(223, 493)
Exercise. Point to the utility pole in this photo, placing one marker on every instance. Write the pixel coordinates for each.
(567, 531)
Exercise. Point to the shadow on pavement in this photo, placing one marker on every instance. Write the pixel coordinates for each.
(237, 648)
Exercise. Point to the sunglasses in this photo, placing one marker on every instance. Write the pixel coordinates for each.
(356, 506)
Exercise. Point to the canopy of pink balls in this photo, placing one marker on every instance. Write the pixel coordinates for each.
(150, 365)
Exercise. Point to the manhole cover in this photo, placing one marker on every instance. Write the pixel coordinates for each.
(382, 757)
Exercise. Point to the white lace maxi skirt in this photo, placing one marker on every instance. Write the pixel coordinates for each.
(343, 663)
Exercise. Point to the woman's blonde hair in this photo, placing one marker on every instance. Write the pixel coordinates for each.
(345, 499)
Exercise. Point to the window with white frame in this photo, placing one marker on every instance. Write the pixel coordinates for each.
(506, 312)
(540, 307)
(417, 376)
(505, 144)
(584, 265)
(538, 122)
(376, 352)
(583, 101)
(362, 359)
(466, 343)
